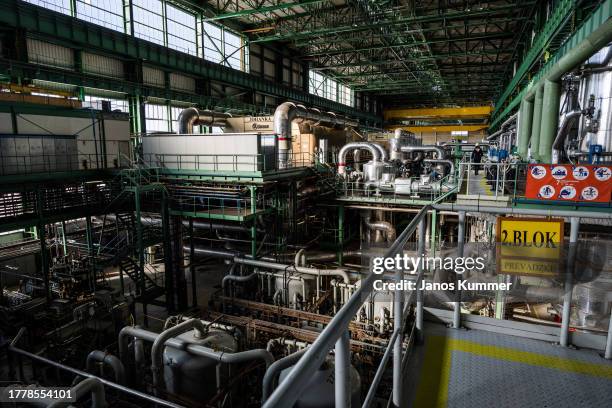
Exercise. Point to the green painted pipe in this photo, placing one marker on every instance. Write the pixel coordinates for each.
(550, 109)
(525, 116)
(550, 119)
(536, 124)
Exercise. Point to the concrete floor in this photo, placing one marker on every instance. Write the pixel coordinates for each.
(469, 368)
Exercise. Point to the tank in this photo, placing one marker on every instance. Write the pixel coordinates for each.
(194, 377)
(320, 391)
(388, 174)
(598, 84)
(372, 171)
(295, 290)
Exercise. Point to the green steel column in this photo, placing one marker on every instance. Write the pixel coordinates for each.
(254, 226)
(40, 230)
(537, 123)
(340, 233)
(139, 242)
(192, 269)
(525, 118)
(169, 266)
(90, 250)
(40, 234)
(550, 119)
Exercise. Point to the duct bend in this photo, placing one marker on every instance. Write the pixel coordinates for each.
(274, 370)
(158, 346)
(91, 384)
(190, 117)
(383, 152)
(383, 226)
(109, 360)
(356, 145)
(287, 112)
(449, 163)
(566, 124)
(425, 148)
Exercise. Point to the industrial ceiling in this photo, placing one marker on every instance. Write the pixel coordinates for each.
(420, 53)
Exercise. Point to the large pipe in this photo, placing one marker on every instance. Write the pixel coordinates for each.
(274, 371)
(356, 145)
(383, 152)
(35, 357)
(273, 265)
(566, 124)
(159, 343)
(88, 385)
(383, 226)
(550, 119)
(425, 148)
(190, 117)
(574, 57)
(536, 124)
(448, 163)
(235, 278)
(287, 112)
(109, 360)
(195, 349)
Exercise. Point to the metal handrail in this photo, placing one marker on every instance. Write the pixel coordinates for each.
(295, 382)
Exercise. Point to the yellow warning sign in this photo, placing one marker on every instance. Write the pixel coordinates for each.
(529, 246)
(530, 237)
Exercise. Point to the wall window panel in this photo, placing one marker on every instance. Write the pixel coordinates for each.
(107, 13)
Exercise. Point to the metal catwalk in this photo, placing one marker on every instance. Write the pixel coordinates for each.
(459, 368)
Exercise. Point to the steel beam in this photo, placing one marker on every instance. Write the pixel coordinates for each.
(262, 9)
(438, 113)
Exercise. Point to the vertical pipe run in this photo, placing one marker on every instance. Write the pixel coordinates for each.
(419, 308)
(340, 233)
(342, 371)
(525, 120)
(192, 269)
(550, 119)
(398, 308)
(569, 287)
(608, 352)
(460, 247)
(537, 123)
(254, 226)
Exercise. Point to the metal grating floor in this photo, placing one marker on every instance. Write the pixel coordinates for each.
(459, 368)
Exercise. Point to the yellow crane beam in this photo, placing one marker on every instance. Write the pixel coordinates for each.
(464, 112)
(441, 128)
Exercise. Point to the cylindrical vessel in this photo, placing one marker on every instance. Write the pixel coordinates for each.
(195, 377)
(320, 392)
(373, 170)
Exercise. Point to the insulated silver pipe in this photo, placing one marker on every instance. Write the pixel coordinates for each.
(88, 385)
(460, 250)
(287, 112)
(566, 124)
(190, 117)
(108, 359)
(157, 349)
(569, 284)
(273, 265)
(119, 387)
(523, 211)
(342, 370)
(274, 371)
(425, 148)
(235, 278)
(384, 226)
(383, 152)
(356, 145)
(448, 163)
(195, 349)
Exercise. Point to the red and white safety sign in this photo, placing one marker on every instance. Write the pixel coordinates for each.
(565, 182)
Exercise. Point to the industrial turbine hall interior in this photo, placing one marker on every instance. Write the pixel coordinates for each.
(306, 203)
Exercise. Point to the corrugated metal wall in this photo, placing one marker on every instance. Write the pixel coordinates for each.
(44, 53)
(102, 65)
